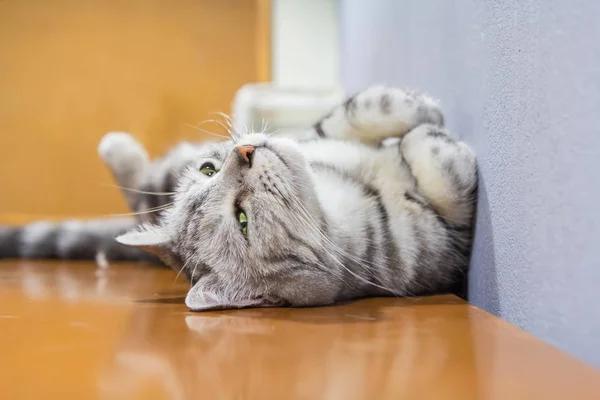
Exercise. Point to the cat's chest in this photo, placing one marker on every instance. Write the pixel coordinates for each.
(346, 156)
(346, 202)
(345, 181)
(380, 168)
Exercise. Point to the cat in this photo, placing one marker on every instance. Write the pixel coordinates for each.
(376, 199)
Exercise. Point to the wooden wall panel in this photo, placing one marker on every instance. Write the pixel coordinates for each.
(71, 70)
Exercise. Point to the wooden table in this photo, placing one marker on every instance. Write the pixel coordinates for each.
(72, 331)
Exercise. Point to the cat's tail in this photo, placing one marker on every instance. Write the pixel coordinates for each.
(70, 240)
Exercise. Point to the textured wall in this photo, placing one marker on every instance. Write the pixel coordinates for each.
(520, 81)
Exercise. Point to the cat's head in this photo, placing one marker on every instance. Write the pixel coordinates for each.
(246, 228)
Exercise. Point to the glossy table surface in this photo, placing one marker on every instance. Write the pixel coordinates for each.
(72, 331)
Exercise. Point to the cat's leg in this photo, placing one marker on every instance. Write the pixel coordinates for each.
(378, 113)
(127, 160)
(445, 171)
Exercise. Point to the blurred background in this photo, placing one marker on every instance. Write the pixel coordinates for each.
(518, 80)
(72, 70)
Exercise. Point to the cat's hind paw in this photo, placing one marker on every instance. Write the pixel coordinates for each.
(380, 112)
(392, 109)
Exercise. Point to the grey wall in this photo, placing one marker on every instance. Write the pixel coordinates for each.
(520, 81)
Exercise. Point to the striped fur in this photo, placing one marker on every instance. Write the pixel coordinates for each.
(376, 199)
(343, 213)
(73, 240)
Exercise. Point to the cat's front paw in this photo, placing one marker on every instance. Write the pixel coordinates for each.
(125, 156)
(121, 152)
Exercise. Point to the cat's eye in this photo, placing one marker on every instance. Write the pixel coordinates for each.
(208, 169)
(243, 220)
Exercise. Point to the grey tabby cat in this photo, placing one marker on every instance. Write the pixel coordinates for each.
(377, 199)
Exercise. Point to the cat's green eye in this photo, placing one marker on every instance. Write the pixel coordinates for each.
(243, 222)
(208, 169)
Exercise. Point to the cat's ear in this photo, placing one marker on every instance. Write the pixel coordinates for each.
(205, 296)
(151, 238)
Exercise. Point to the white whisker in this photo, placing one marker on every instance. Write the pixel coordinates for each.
(147, 211)
(182, 268)
(225, 116)
(220, 123)
(141, 191)
(233, 134)
(207, 132)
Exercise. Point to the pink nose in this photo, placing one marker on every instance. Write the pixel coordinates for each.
(245, 152)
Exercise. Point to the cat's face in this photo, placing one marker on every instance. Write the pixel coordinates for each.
(246, 228)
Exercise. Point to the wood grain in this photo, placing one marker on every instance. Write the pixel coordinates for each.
(70, 330)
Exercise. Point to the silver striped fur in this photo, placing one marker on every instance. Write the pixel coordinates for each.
(376, 199)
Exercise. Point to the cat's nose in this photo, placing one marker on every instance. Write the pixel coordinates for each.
(245, 152)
